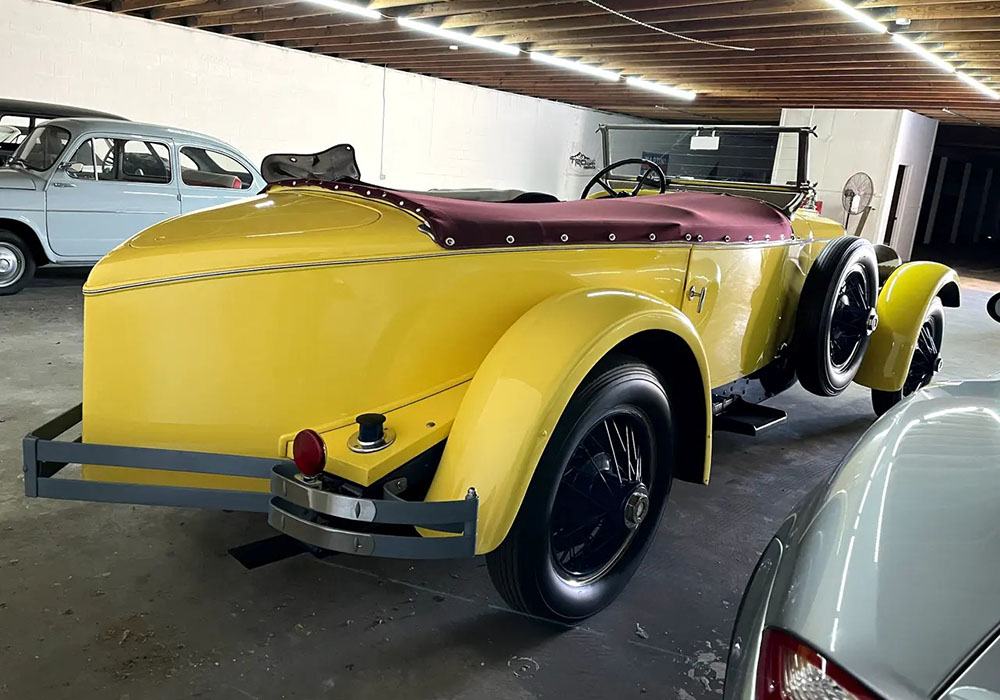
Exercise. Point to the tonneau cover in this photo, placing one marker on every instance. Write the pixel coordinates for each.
(681, 216)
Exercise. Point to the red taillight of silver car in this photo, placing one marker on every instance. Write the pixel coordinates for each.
(790, 670)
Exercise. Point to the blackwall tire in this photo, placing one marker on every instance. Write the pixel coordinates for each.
(924, 363)
(836, 315)
(17, 265)
(537, 569)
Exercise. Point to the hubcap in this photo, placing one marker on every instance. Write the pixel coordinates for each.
(602, 498)
(11, 265)
(872, 321)
(636, 507)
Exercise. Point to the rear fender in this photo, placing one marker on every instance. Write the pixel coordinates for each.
(902, 305)
(522, 387)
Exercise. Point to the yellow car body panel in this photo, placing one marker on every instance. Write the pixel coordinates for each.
(902, 305)
(230, 330)
(524, 384)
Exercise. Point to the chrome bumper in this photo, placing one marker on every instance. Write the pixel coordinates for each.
(380, 527)
(45, 456)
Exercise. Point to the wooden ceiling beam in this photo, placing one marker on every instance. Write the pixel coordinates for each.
(208, 8)
(740, 9)
(777, 26)
(140, 5)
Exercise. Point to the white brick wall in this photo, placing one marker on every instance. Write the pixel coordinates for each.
(265, 99)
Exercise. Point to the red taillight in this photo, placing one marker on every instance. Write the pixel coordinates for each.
(237, 183)
(309, 452)
(790, 670)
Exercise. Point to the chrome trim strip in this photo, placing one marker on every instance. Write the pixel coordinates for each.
(442, 254)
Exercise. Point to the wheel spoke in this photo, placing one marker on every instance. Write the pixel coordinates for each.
(611, 446)
(590, 526)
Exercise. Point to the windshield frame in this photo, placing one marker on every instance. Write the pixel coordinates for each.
(17, 158)
(801, 186)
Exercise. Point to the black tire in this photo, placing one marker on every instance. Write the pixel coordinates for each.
(836, 316)
(17, 264)
(993, 307)
(924, 363)
(537, 569)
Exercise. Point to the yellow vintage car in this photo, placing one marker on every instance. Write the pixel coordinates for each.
(417, 375)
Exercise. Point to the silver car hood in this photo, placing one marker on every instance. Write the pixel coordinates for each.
(892, 567)
(17, 179)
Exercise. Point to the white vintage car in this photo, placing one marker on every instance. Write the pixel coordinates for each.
(76, 188)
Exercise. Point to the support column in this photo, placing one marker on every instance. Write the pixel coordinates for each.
(961, 203)
(935, 199)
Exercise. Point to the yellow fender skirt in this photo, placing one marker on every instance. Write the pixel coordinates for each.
(902, 305)
(522, 387)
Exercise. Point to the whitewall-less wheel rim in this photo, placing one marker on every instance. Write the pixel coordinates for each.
(11, 264)
(603, 498)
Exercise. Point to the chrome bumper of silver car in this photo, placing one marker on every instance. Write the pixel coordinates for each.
(381, 527)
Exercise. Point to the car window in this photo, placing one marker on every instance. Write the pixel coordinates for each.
(9, 134)
(104, 158)
(203, 167)
(93, 160)
(145, 161)
(22, 123)
(42, 149)
(81, 164)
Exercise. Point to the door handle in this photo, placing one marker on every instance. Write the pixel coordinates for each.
(693, 292)
(63, 184)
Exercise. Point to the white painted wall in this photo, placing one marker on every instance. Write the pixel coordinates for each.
(875, 141)
(265, 99)
(914, 148)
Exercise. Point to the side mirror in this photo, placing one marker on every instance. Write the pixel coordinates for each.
(993, 307)
(71, 168)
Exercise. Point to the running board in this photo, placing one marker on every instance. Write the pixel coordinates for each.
(748, 418)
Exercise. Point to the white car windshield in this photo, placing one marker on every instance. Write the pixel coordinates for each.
(42, 148)
(9, 134)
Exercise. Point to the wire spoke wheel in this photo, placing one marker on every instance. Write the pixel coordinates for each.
(596, 498)
(924, 363)
(925, 359)
(602, 498)
(836, 315)
(849, 323)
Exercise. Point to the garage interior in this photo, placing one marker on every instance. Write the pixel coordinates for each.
(119, 601)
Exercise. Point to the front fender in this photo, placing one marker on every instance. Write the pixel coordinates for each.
(519, 392)
(902, 305)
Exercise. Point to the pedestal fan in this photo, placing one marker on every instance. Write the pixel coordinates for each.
(857, 196)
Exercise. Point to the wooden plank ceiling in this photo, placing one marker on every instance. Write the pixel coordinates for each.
(806, 53)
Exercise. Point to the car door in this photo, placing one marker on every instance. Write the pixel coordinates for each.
(108, 189)
(735, 295)
(211, 176)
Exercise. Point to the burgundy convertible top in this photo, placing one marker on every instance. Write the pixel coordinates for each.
(681, 216)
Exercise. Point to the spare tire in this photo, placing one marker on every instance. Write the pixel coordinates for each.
(836, 315)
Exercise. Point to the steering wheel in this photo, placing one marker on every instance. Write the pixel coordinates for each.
(651, 169)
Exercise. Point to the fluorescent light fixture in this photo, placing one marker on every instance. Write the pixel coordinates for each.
(348, 8)
(662, 89)
(867, 20)
(600, 73)
(923, 53)
(458, 37)
(969, 80)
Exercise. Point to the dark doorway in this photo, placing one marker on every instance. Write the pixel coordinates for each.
(959, 221)
(894, 204)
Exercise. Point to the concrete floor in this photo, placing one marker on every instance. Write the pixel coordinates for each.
(113, 601)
